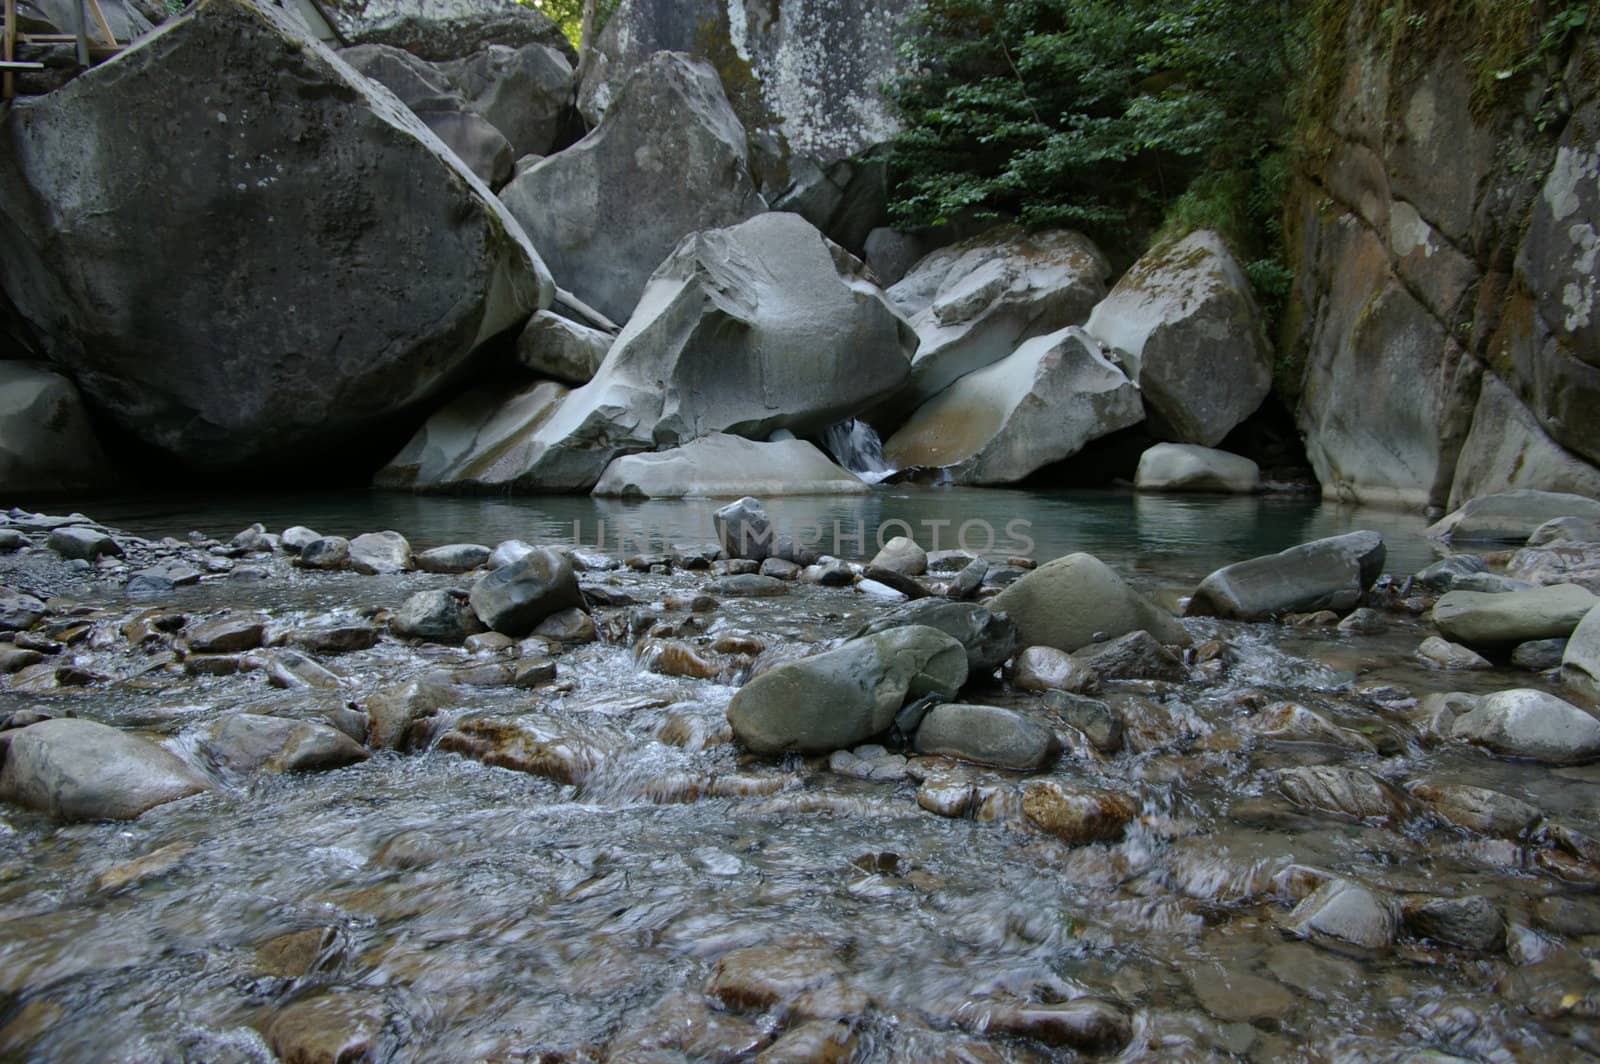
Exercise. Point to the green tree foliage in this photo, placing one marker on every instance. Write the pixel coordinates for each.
(568, 14)
(1118, 117)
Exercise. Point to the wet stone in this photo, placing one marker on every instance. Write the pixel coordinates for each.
(226, 635)
(297, 954)
(1477, 808)
(570, 625)
(1344, 915)
(1539, 655)
(327, 553)
(1097, 720)
(1049, 669)
(1471, 922)
(1439, 653)
(1077, 815)
(988, 735)
(749, 585)
(1239, 997)
(452, 558)
(1343, 791)
(1135, 656)
(337, 637)
(330, 1029)
(1086, 1025)
(81, 543)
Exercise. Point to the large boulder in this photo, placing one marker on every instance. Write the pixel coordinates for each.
(723, 465)
(480, 441)
(975, 302)
(553, 346)
(77, 769)
(46, 442)
(669, 160)
(1184, 321)
(1325, 574)
(1510, 516)
(1528, 724)
(1073, 601)
(443, 29)
(746, 330)
(1507, 449)
(1043, 403)
(514, 598)
(842, 697)
(1481, 619)
(288, 199)
(1186, 467)
(1580, 661)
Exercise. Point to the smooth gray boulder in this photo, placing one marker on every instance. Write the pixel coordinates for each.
(608, 210)
(1566, 530)
(974, 303)
(988, 735)
(1345, 916)
(1510, 517)
(901, 554)
(373, 553)
(439, 30)
(562, 349)
(1580, 662)
(255, 742)
(515, 597)
(744, 530)
(1041, 403)
(724, 465)
(1069, 602)
(329, 552)
(482, 440)
(1179, 467)
(1184, 321)
(351, 210)
(1325, 574)
(74, 769)
(1049, 669)
(19, 610)
(452, 558)
(81, 541)
(988, 637)
(437, 616)
(1134, 656)
(1530, 724)
(1439, 653)
(842, 697)
(478, 145)
(46, 441)
(1481, 619)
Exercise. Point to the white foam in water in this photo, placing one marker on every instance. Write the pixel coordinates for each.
(854, 444)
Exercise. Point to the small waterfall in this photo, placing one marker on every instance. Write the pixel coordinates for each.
(854, 444)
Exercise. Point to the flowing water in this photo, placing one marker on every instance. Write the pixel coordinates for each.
(587, 906)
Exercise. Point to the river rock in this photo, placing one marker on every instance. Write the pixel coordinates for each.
(19, 610)
(1345, 916)
(331, 1027)
(1049, 669)
(1343, 791)
(226, 635)
(1077, 815)
(749, 585)
(558, 347)
(1185, 324)
(1100, 723)
(1472, 922)
(292, 670)
(483, 439)
(1442, 574)
(571, 625)
(988, 637)
(392, 711)
(515, 597)
(1503, 620)
(1177, 467)
(988, 735)
(78, 541)
(77, 769)
(1566, 530)
(1530, 724)
(1294, 723)
(337, 634)
(1088, 1026)
(329, 552)
(1510, 517)
(296, 538)
(902, 555)
(1477, 808)
(724, 465)
(439, 616)
(1323, 574)
(1580, 662)
(1069, 602)
(974, 303)
(431, 269)
(438, 30)
(595, 211)
(252, 742)
(1442, 654)
(1135, 656)
(381, 552)
(1040, 404)
(46, 441)
(452, 558)
(744, 530)
(842, 697)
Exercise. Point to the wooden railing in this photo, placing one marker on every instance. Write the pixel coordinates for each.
(88, 52)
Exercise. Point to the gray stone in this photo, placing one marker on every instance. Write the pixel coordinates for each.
(438, 30)
(514, 598)
(1472, 922)
(46, 441)
(1344, 792)
(1049, 669)
(1441, 654)
(1489, 584)
(483, 440)
(508, 551)
(1069, 602)
(1040, 404)
(226, 635)
(1323, 574)
(292, 670)
(479, 146)
(721, 465)
(1180, 467)
(252, 742)
(987, 735)
(1442, 574)
(1508, 449)
(744, 530)
(842, 697)
(329, 552)
(524, 91)
(560, 348)
(1135, 656)
(440, 616)
(607, 211)
(452, 558)
(1345, 916)
(335, 634)
(571, 625)
(1566, 530)
(75, 541)
(1530, 724)
(1580, 662)
(976, 302)
(392, 712)
(749, 585)
(966, 583)
(75, 769)
(1503, 620)
(1477, 808)
(380, 552)
(1510, 517)
(988, 637)
(902, 555)
(19, 610)
(1539, 655)
(297, 537)
(1294, 723)
(1185, 323)
(291, 386)
(1100, 723)
(829, 572)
